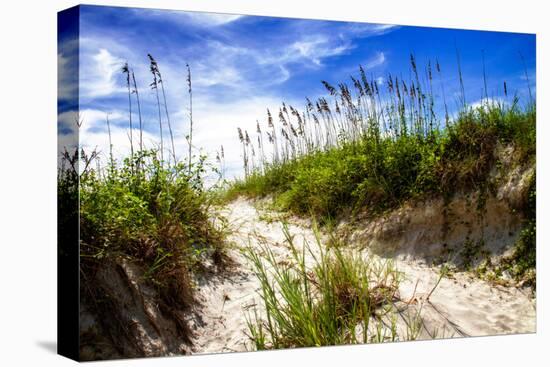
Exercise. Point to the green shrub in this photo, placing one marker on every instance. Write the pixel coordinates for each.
(155, 215)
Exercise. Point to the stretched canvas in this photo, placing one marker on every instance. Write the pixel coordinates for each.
(232, 183)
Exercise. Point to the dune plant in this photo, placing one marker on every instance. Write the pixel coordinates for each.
(337, 299)
(190, 138)
(161, 82)
(111, 157)
(153, 68)
(136, 91)
(126, 71)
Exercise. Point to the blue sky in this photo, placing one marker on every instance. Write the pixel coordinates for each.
(242, 65)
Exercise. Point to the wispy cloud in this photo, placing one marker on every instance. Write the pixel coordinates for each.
(374, 62)
(98, 74)
(378, 59)
(239, 67)
(187, 18)
(65, 89)
(212, 19)
(94, 133)
(314, 49)
(218, 75)
(486, 103)
(224, 119)
(68, 68)
(370, 30)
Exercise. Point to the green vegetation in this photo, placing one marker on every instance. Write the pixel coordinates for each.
(339, 299)
(158, 218)
(376, 174)
(522, 263)
(152, 213)
(371, 147)
(525, 252)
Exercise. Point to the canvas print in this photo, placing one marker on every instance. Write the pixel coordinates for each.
(232, 183)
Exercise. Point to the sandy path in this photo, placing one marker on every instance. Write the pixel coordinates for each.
(459, 306)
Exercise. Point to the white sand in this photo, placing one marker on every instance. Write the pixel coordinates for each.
(459, 306)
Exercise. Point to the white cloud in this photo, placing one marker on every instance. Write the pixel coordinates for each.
(98, 74)
(212, 19)
(67, 67)
(219, 75)
(66, 87)
(97, 120)
(242, 68)
(198, 19)
(488, 102)
(216, 124)
(221, 67)
(66, 135)
(94, 134)
(370, 30)
(67, 121)
(378, 59)
(315, 49)
(283, 77)
(310, 50)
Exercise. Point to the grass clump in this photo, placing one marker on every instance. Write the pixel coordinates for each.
(153, 212)
(158, 218)
(338, 299)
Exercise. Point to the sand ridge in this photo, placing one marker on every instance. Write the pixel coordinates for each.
(461, 305)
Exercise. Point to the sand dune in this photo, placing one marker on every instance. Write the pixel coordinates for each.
(461, 305)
